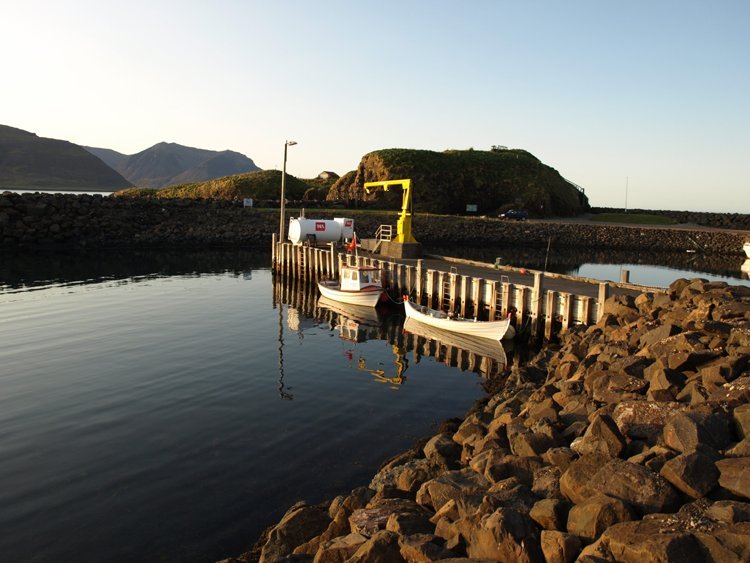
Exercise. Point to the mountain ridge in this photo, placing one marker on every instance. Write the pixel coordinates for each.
(28, 161)
(165, 164)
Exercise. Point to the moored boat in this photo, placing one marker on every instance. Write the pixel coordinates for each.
(746, 248)
(358, 285)
(496, 330)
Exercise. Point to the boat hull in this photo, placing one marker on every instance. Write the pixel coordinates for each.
(746, 247)
(496, 330)
(366, 298)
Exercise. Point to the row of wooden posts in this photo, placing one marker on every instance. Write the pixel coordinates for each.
(536, 311)
(300, 295)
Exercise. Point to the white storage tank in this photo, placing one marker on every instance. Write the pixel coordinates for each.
(320, 230)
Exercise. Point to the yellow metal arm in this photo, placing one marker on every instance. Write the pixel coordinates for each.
(403, 226)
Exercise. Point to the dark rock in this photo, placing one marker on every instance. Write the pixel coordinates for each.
(601, 437)
(521, 467)
(590, 518)
(729, 511)
(649, 541)
(694, 474)
(443, 451)
(506, 535)
(636, 485)
(339, 549)
(684, 431)
(383, 547)
(550, 513)
(547, 482)
(559, 547)
(575, 483)
(300, 524)
(422, 548)
(368, 521)
(436, 492)
(741, 417)
(735, 475)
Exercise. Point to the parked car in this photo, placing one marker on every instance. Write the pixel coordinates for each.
(517, 214)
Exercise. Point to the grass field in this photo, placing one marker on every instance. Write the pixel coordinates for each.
(633, 219)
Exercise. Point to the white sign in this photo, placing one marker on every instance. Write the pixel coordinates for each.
(471, 207)
(247, 202)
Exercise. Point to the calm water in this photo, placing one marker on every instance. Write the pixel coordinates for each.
(160, 406)
(174, 413)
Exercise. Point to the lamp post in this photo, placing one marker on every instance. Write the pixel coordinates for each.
(283, 182)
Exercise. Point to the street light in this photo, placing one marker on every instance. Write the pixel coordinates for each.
(283, 182)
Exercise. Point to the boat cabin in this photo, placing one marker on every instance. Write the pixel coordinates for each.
(359, 278)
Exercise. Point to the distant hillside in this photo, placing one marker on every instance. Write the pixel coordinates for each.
(445, 182)
(264, 184)
(166, 164)
(31, 162)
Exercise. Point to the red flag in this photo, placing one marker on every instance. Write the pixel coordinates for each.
(353, 244)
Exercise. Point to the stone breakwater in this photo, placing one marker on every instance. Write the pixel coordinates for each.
(38, 220)
(628, 441)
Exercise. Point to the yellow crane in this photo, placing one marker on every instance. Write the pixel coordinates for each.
(403, 226)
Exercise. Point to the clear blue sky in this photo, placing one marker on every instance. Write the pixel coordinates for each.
(655, 92)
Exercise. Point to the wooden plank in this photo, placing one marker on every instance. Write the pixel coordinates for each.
(549, 313)
(429, 288)
(537, 295)
(419, 283)
(603, 294)
(567, 310)
(476, 292)
(586, 310)
(452, 290)
(462, 295)
(508, 292)
(493, 300)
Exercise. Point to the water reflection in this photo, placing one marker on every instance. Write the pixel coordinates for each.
(356, 324)
(37, 270)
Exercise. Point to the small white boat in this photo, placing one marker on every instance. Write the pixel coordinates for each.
(489, 348)
(746, 248)
(496, 330)
(359, 285)
(745, 268)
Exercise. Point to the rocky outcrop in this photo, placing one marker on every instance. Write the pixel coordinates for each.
(621, 443)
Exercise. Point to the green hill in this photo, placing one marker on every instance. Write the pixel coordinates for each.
(31, 162)
(264, 184)
(445, 182)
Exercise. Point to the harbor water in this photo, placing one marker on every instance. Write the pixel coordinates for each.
(170, 406)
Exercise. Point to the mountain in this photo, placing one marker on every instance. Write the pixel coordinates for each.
(446, 182)
(31, 162)
(166, 164)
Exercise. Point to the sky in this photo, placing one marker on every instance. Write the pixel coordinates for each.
(644, 103)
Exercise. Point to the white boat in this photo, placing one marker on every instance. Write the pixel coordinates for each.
(358, 285)
(496, 330)
(746, 248)
(745, 268)
(489, 348)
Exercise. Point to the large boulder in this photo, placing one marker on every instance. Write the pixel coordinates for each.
(301, 523)
(506, 535)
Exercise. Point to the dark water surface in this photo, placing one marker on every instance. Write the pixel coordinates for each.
(160, 406)
(144, 414)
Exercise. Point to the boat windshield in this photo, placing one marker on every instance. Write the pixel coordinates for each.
(370, 276)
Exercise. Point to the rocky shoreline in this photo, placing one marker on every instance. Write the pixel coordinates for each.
(35, 220)
(627, 441)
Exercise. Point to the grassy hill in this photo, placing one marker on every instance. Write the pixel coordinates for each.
(31, 162)
(264, 184)
(445, 182)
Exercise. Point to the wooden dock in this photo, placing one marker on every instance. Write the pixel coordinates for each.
(541, 304)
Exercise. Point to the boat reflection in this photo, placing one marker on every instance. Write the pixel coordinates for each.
(355, 325)
(481, 355)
